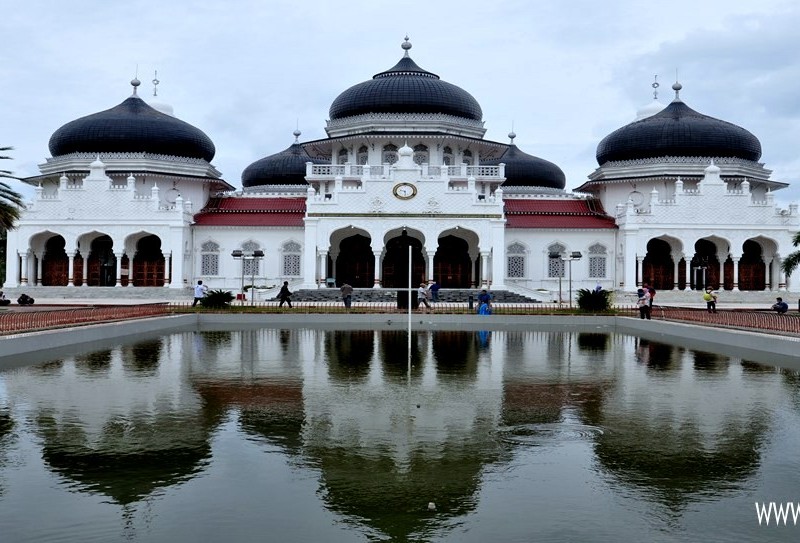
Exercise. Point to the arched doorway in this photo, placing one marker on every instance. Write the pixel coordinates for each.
(752, 269)
(452, 266)
(355, 264)
(658, 268)
(55, 263)
(148, 263)
(705, 265)
(102, 271)
(395, 262)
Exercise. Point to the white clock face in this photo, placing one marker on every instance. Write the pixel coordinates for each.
(405, 191)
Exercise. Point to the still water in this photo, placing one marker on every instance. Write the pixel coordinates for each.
(330, 435)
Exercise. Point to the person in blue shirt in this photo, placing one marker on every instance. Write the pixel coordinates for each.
(484, 303)
(780, 306)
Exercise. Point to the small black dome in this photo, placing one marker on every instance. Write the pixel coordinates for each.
(132, 127)
(285, 168)
(406, 88)
(678, 130)
(524, 170)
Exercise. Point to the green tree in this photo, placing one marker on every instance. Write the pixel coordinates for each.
(792, 260)
(11, 203)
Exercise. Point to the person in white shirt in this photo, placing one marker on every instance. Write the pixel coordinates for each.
(200, 291)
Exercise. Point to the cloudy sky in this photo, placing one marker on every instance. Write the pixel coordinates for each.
(248, 72)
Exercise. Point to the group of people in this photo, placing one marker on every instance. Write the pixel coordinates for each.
(23, 299)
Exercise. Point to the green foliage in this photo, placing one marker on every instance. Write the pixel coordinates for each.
(792, 260)
(11, 202)
(217, 299)
(594, 300)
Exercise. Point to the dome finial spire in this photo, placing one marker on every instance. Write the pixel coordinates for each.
(512, 135)
(406, 46)
(677, 87)
(135, 83)
(155, 83)
(655, 86)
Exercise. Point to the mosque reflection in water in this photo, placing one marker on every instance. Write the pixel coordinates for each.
(382, 437)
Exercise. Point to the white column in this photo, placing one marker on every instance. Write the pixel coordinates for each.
(770, 274)
(721, 259)
(38, 262)
(85, 271)
(629, 263)
(781, 276)
(310, 253)
(378, 275)
(639, 270)
(118, 257)
(321, 258)
(167, 267)
(676, 267)
(498, 266)
(736, 260)
(484, 269)
(688, 264)
(429, 264)
(71, 269)
(12, 262)
(23, 280)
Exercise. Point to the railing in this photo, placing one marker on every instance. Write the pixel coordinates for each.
(30, 320)
(762, 321)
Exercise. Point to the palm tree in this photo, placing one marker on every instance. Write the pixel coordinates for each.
(792, 260)
(10, 201)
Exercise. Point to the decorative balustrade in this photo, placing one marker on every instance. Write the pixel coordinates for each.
(32, 320)
(379, 171)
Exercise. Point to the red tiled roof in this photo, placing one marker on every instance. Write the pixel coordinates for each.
(546, 213)
(252, 212)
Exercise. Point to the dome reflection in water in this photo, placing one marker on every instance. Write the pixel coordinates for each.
(311, 435)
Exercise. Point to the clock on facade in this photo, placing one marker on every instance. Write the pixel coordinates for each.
(405, 191)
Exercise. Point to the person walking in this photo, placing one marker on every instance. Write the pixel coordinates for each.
(347, 295)
(711, 300)
(434, 288)
(285, 295)
(422, 296)
(200, 291)
(644, 303)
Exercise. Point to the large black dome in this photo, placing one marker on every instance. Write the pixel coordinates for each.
(132, 127)
(678, 130)
(406, 88)
(524, 170)
(285, 168)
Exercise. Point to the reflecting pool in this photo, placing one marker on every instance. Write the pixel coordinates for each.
(340, 435)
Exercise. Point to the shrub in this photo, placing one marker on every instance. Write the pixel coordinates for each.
(594, 300)
(217, 299)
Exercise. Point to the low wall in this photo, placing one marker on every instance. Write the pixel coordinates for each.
(763, 348)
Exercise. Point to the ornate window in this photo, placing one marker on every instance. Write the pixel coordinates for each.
(251, 266)
(363, 155)
(209, 258)
(467, 157)
(421, 154)
(516, 260)
(342, 156)
(597, 261)
(291, 259)
(447, 156)
(389, 154)
(555, 266)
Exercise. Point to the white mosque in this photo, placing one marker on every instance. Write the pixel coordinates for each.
(131, 199)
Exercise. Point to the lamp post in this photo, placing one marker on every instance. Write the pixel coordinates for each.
(574, 255)
(254, 256)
